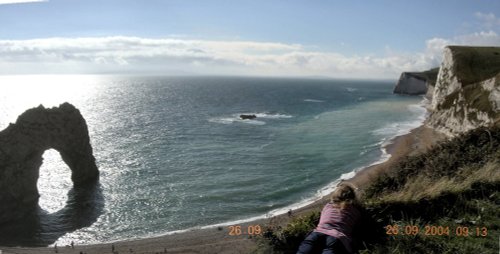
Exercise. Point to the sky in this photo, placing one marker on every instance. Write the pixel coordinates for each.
(376, 39)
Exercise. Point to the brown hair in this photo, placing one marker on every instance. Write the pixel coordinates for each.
(344, 195)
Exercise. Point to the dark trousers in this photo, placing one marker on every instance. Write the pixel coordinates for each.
(317, 242)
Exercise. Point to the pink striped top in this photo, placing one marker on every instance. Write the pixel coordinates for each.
(339, 223)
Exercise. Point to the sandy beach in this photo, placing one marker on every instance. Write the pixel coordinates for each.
(218, 239)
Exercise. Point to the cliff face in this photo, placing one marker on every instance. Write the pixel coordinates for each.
(410, 84)
(467, 91)
(21, 148)
(416, 83)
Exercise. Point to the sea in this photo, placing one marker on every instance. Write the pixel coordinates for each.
(174, 155)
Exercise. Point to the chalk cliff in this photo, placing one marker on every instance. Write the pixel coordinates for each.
(416, 83)
(21, 148)
(467, 90)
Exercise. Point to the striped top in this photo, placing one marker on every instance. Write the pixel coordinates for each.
(339, 223)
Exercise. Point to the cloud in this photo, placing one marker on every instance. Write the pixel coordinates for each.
(435, 46)
(20, 1)
(488, 20)
(97, 53)
(146, 55)
(169, 56)
(489, 38)
(137, 55)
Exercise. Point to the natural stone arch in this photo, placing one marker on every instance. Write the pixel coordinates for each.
(21, 148)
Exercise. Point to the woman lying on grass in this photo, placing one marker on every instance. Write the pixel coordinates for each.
(339, 217)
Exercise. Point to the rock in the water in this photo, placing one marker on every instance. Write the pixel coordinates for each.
(21, 148)
(248, 117)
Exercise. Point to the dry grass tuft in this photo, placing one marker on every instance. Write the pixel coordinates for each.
(422, 186)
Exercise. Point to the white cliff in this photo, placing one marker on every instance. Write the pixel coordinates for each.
(416, 83)
(410, 84)
(467, 90)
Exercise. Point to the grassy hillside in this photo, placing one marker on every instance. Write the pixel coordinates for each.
(435, 198)
(429, 75)
(474, 64)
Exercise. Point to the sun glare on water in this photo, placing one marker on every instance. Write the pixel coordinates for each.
(54, 182)
(19, 93)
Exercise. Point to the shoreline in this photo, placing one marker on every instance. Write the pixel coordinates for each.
(217, 238)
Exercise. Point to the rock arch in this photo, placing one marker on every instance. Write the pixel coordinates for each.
(22, 145)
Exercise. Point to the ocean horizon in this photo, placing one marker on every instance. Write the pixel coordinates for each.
(174, 154)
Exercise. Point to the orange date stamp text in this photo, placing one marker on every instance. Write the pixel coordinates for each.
(435, 230)
(237, 230)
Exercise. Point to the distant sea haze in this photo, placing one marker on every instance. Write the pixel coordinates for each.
(174, 154)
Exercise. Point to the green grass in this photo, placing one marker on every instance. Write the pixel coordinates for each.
(473, 150)
(455, 184)
(476, 207)
(287, 239)
(478, 98)
(474, 64)
(429, 75)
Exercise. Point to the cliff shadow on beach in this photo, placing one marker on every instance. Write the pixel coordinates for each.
(84, 206)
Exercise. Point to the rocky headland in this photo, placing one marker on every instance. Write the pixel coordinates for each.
(22, 145)
(467, 91)
(417, 83)
(464, 91)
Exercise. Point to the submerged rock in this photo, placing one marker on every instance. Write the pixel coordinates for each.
(21, 148)
(248, 117)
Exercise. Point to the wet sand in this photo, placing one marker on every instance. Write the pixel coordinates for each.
(218, 239)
